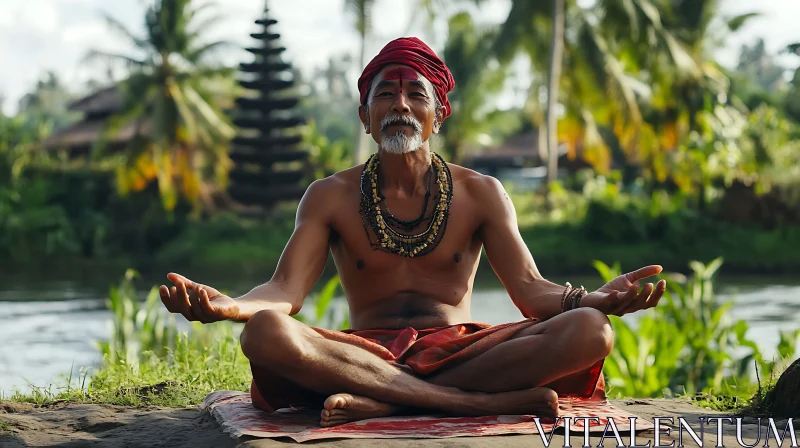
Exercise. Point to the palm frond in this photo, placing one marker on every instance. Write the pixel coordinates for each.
(678, 54)
(211, 117)
(594, 42)
(362, 11)
(793, 48)
(196, 55)
(680, 57)
(127, 61)
(737, 22)
(187, 118)
(198, 29)
(205, 72)
(119, 28)
(195, 10)
(618, 15)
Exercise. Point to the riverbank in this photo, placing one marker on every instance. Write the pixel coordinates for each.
(242, 247)
(559, 248)
(64, 424)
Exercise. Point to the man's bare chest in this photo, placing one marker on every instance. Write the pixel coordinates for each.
(353, 246)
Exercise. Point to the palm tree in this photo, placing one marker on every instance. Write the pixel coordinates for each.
(429, 10)
(554, 76)
(180, 135)
(468, 53)
(638, 68)
(362, 10)
(595, 86)
(689, 89)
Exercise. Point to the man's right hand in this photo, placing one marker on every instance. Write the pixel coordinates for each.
(197, 302)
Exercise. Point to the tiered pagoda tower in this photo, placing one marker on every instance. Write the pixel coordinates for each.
(268, 165)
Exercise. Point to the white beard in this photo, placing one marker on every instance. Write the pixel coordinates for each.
(400, 143)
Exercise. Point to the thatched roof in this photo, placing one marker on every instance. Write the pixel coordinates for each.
(517, 151)
(84, 134)
(97, 108)
(108, 100)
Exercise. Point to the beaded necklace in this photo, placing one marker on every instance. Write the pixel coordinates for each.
(411, 224)
(381, 221)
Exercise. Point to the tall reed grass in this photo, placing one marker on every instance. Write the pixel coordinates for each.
(148, 359)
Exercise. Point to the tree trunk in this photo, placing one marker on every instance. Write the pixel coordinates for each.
(358, 149)
(556, 56)
(542, 139)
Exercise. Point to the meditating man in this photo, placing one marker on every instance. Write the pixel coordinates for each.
(406, 231)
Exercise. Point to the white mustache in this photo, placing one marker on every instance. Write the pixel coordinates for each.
(392, 120)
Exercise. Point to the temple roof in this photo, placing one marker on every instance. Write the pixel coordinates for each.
(85, 133)
(105, 100)
(96, 107)
(517, 150)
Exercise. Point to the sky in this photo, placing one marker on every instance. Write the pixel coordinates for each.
(41, 35)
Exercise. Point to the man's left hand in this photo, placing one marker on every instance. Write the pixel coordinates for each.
(622, 296)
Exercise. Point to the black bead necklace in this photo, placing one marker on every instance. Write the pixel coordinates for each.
(410, 224)
(391, 240)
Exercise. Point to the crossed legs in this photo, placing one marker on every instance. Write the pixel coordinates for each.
(536, 356)
(504, 380)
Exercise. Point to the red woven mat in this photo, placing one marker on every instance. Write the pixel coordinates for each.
(238, 417)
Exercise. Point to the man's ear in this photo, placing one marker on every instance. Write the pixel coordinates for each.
(440, 116)
(363, 115)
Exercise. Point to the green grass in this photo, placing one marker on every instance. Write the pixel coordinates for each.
(4, 427)
(757, 403)
(205, 360)
(722, 403)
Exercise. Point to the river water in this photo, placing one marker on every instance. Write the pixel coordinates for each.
(49, 324)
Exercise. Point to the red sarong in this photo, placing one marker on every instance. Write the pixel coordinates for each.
(423, 352)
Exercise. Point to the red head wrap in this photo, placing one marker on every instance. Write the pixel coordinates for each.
(416, 54)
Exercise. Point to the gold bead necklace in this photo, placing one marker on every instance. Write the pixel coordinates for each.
(390, 239)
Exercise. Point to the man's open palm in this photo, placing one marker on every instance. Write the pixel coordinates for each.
(197, 302)
(622, 296)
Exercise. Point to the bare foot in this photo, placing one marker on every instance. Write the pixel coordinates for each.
(539, 401)
(345, 408)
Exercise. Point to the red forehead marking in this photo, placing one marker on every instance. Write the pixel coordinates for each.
(401, 73)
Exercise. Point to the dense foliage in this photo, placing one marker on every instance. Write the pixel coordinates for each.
(687, 148)
(688, 344)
